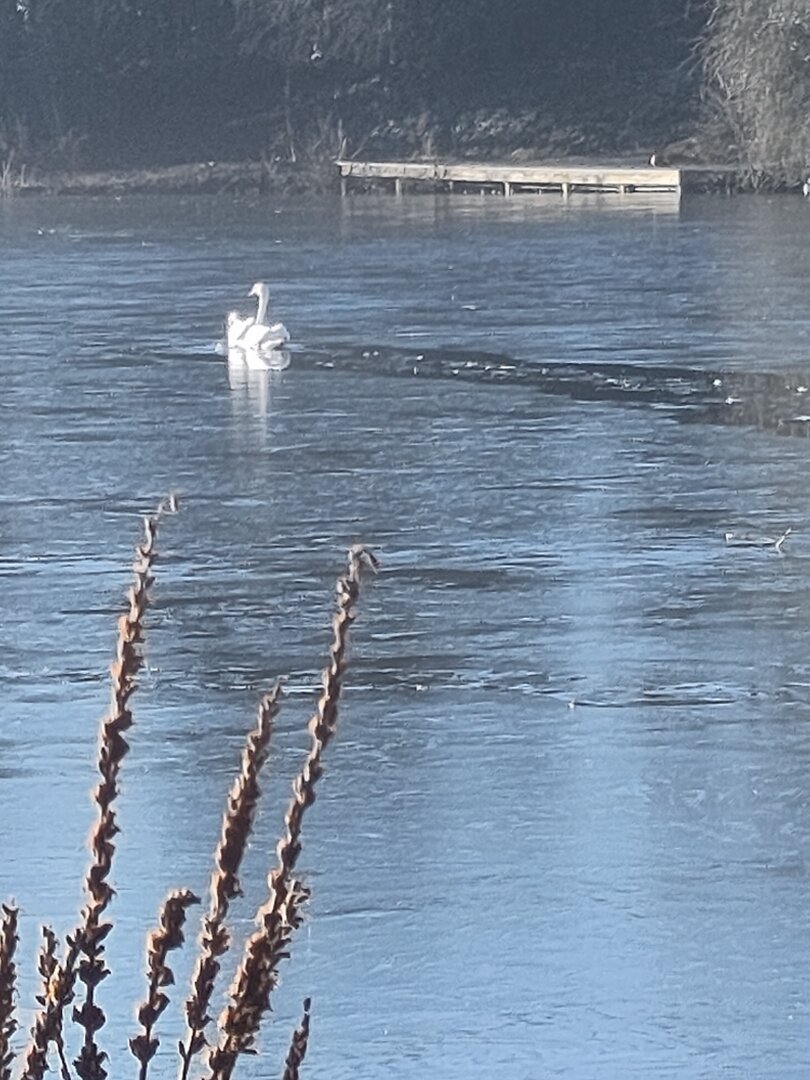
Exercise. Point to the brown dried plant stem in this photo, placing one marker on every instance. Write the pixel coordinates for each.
(298, 1046)
(57, 993)
(8, 988)
(237, 825)
(85, 948)
(169, 935)
(48, 967)
(257, 974)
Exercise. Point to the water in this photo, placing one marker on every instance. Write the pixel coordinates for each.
(564, 829)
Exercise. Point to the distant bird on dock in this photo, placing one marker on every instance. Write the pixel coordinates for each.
(681, 154)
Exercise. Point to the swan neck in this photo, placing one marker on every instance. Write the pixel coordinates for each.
(260, 314)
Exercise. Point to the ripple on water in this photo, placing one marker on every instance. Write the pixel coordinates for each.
(564, 818)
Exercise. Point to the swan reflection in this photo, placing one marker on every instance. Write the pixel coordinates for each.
(252, 381)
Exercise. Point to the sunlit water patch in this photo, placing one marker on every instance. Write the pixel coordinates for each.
(564, 828)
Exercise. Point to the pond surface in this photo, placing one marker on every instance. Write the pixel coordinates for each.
(564, 829)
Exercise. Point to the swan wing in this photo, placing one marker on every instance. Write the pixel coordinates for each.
(280, 332)
(253, 335)
(261, 336)
(236, 326)
(274, 337)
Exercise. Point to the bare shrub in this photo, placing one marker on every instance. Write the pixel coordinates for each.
(756, 61)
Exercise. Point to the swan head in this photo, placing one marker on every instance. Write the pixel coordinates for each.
(260, 289)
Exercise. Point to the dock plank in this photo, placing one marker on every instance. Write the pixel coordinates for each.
(539, 177)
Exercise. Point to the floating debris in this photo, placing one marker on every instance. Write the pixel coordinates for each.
(748, 539)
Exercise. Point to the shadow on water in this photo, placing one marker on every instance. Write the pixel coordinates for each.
(774, 401)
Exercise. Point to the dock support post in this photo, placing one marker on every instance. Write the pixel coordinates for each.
(566, 190)
(344, 187)
(507, 188)
(397, 185)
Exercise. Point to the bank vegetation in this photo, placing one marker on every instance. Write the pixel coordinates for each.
(289, 85)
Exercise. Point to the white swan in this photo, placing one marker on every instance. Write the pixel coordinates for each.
(260, 334)
(252, 332)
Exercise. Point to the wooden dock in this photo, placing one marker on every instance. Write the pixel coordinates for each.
(515, 179)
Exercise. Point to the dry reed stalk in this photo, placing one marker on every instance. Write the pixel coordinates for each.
(298, 1046)
(8, 988)
(47, 964)
(237, 824)
(257, 974)
(84, 956)
(169, 935)
(48, 967)
(53, 992)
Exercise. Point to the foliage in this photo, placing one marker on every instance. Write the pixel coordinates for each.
(756, 58)
(356, 33)
(117, 82)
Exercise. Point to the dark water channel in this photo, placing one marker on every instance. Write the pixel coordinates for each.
(565, 828)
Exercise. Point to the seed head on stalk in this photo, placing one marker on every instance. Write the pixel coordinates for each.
(258, 972)
(84, 954)
(237, 825)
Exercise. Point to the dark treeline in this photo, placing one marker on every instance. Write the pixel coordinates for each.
(102, 82)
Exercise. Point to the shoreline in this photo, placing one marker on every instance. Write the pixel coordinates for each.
(251, 177)
(197, 177)
(262, 178)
